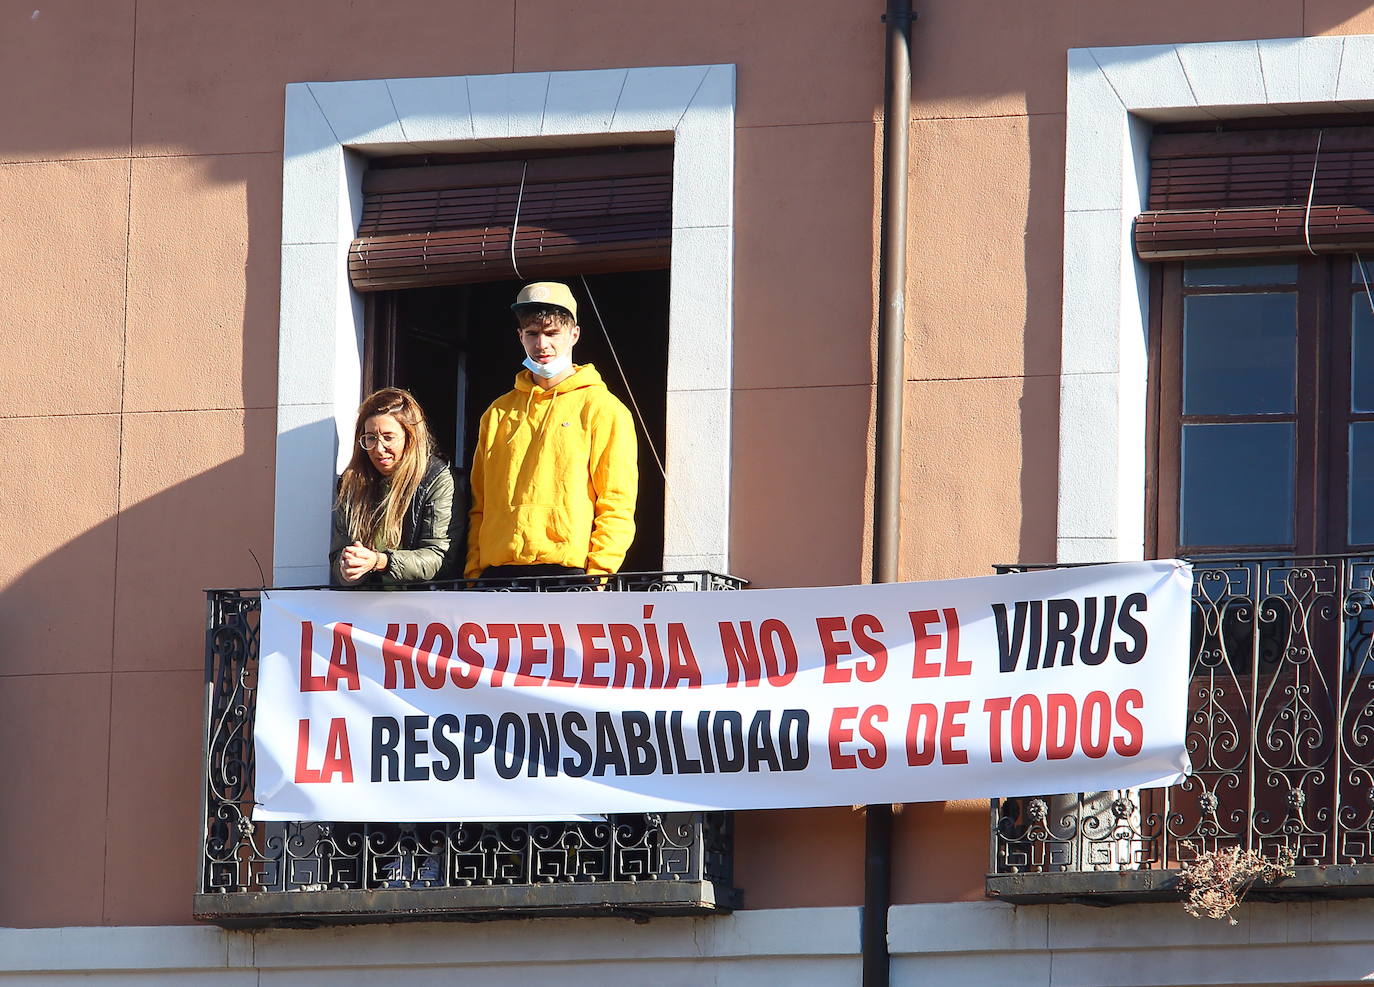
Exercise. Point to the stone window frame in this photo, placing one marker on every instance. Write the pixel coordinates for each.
(332, 128)
(1114, 97)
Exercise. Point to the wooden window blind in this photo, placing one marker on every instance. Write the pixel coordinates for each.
(452, 224)
(1246, 193)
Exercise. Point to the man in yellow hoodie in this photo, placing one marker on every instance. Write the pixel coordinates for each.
(554, 471)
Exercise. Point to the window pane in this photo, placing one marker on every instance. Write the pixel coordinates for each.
(1239, 353)
(1216, 273)
(1361, 353)
(1361, 489)
(1237, 484)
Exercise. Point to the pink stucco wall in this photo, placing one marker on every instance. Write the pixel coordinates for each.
(140, 173)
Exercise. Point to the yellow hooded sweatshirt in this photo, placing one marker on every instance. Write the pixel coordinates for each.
(554, 477)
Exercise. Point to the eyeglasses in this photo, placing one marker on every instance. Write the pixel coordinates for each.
(370, 440)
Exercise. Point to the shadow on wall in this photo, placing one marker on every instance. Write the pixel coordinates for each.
(1338, 17)
(986, 57)
(1039, 404)
(146, 483)
(307, 453)
(131, 508)
(140, 503)
(101, 697)
(150, 481)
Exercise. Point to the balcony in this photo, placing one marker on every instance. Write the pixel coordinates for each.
(1281, 736)
(254, 873)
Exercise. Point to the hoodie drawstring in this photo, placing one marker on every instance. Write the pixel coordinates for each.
(529, 400)
(544, 425)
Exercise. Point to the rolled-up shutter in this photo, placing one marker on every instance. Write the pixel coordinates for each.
(451, 224)
(1247, 192)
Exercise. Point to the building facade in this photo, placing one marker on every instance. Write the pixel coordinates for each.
(195, 309)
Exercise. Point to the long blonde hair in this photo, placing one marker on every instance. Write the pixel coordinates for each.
(374, 506)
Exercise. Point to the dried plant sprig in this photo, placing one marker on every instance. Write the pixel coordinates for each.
(1214, 883)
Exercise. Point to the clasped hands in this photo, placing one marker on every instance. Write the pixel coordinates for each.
(357, 560)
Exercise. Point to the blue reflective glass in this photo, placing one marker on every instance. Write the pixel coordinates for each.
(1361, 353)
(1237, 484)
(1240, 354)
(1361, 483)
(1208, 274)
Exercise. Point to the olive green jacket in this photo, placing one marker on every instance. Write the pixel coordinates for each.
(432, 536)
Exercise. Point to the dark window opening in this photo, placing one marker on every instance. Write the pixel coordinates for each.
(455, 348)
(1265, 415)
(1261, 429)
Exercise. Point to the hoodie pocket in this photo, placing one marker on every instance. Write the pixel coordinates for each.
(541, 527)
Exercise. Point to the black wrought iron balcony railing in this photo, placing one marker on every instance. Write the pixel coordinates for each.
(1281, 738)
(256, 873)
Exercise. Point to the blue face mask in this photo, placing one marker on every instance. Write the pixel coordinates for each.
(551, 369)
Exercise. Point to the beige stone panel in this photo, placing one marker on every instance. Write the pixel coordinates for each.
(154, 761)
(211, 74)
(204, 257)
(197, 495)
(66, 71)
(62, 248)
(979, 480)
(57, 576)
(939, 852)
(800, 858)
(812, 61)
(804, 255)
(986, 230)
(983, 57)
(800, 475)
(1338, 17)
(53, 731)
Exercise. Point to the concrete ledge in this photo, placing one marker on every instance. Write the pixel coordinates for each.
(1131, 945)
(977, 943)
(823, 940)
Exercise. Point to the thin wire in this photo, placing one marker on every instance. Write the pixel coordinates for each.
(671, 502)
(1369, 299)
(519, 198)
(1311, 190)
(628, 389)
(261, 575)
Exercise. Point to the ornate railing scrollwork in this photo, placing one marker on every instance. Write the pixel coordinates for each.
(1280, 734)
(255, 873)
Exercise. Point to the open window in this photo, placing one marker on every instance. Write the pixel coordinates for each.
(445, 244)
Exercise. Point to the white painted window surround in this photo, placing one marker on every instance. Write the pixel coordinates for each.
(1114, 96)
(332, 128)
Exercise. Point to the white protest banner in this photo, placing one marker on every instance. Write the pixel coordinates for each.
(465, 706)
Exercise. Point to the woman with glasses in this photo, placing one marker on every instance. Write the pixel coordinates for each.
(393, 519)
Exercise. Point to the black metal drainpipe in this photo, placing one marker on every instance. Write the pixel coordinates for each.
(887, 459)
